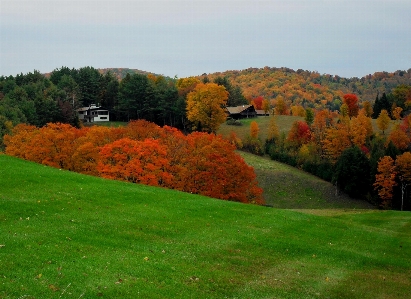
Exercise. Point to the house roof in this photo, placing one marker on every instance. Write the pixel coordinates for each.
(91, 108)
(261, 112)
(238, 109)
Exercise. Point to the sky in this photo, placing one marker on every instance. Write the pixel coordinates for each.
(188, 38)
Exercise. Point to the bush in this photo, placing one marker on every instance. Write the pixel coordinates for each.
(323, 169)
(253, 145)
(233, 122)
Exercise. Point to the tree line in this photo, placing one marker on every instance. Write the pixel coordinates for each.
(144, 153)
(36, 99)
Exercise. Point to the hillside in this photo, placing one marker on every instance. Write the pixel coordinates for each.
(309, 88)
(287, 187)
(66, 235)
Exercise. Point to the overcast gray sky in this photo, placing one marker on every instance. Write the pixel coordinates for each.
(183, 38)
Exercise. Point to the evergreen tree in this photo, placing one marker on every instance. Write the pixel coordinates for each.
(382, 103)
(235, 94)
(88, 80)
(352, 172)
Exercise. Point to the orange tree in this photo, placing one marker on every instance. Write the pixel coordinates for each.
(51, 145)
(385, 180)
(213, 169)
(134, 161)
(18, 142)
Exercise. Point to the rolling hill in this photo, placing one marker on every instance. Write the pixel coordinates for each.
(66, 235)
(309, 88)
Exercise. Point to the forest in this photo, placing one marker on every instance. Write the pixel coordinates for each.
(335, 141)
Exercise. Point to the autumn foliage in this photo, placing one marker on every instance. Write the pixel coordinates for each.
(142, 152)
(300, 133)
(205, 106)
(385, 179)
(351, 101)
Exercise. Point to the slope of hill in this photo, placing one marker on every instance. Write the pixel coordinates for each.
(287, 187)
(65, 235)
(311, 88)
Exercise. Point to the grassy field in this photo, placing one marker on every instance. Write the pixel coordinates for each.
(287, 187)
(66, 235)
(284, 124)
(107, 123)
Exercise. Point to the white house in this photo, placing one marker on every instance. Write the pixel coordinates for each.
(93, 113)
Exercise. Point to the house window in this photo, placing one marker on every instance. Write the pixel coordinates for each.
(103, 117)
(103, 113)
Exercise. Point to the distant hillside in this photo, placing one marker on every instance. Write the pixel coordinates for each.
(121, 73)
(309, 87)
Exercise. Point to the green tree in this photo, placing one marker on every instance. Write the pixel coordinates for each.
(109, 93)
(381, 104)
(309, 116)
(235, 94)
(400, 94)
(132, 95)
(88, 80)
(352, 172)
(57, 74)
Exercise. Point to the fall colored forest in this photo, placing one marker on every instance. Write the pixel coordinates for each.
(309, 88)
(173, 143)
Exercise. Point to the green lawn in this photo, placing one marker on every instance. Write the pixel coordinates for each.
(287, 187)
(66, 235)
(107, 123)
(284, 124)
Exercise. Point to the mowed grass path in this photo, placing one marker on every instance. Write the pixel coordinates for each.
(66, 235)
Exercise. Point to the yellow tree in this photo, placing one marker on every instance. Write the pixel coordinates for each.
(266, 106)
(205, 106)
(321, 122)
(367, 108)
(186, 85)
(336, 140)
(396, 113)
(254, 129)
(344, 111)
(280, 106)
(298, 110)
(383, 121)
(273, 132)
(361, 129)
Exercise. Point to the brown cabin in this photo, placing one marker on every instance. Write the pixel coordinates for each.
(243, 111)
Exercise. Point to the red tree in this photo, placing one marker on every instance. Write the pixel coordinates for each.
(300, 133)
(258, 103)
(351, 101)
